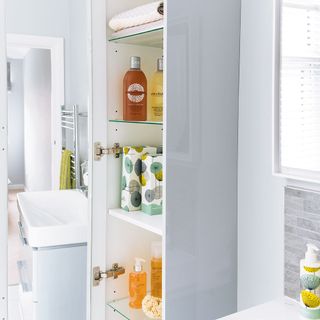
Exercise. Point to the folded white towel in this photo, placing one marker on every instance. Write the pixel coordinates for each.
(140, 15)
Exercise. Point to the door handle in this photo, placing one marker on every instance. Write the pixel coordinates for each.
(23, 239)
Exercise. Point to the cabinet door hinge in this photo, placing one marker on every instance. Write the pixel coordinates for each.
(100, 151)
(114, 273)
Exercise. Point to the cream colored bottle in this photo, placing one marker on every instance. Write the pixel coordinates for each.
(156, 94)
(156, 269)
(137, 285)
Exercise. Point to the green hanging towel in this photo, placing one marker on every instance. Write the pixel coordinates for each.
(65, 170)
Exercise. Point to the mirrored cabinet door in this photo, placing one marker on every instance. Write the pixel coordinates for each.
(201, 167)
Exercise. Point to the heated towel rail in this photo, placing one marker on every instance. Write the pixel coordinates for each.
(70, 122)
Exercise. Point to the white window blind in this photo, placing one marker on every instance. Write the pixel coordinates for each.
(299, 112)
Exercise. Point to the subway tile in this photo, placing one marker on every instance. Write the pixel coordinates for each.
(292, 192)
(312, 206)
(294, 203)
(310, 216)
(291, 220)
(308, 224)
(292, 267)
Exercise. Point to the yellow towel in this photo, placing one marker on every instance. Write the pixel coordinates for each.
(65, 170)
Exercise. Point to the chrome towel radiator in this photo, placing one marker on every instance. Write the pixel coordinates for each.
(69, 121)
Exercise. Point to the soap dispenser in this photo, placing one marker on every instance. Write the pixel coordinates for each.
(137, 284)
(310, 283)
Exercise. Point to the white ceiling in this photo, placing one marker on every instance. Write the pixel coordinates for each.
(17, 52)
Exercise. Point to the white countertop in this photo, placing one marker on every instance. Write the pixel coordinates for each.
(282, 309)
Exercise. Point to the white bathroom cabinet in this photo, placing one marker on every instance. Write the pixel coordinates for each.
(43, 295)
(198, 228)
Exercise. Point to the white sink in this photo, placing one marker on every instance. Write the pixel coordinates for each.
(53, 218)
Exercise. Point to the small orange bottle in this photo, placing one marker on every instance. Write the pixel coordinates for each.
(137, 285)
(156, 269)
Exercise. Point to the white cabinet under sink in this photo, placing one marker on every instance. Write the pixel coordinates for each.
(52, 272)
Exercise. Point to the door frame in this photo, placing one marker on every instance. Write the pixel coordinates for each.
(56, 47)
(4, 169)
(97, 129)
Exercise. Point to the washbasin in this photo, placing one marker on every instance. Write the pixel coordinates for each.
(53, 218)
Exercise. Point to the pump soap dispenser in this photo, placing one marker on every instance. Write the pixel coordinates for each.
(310, 284)
(137, 284)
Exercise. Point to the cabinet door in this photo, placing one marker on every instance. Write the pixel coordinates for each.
(3, 166)
(97, 169)
(201, 152)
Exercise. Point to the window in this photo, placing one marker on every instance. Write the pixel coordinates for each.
(299, 108)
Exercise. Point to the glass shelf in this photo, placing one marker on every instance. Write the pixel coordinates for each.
(139, 122)
(148, 36)
(123, 309)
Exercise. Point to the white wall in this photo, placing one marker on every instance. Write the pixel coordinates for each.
(66, 19)
(260, 221)
(37, 99)
(16, 125)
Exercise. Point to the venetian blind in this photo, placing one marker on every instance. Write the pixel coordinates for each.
(300, 86)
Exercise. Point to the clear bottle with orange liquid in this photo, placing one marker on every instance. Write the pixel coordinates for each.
(156, 269)
(137, 284)
(135, 92)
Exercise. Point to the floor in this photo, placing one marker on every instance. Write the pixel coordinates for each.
(13, 303)
(14, 244)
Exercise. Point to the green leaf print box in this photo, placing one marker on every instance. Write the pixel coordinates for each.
(130, 180)
(152, 185)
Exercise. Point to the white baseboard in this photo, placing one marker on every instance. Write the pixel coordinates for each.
(16, 187)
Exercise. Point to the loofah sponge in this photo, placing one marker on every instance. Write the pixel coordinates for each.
(152, 307)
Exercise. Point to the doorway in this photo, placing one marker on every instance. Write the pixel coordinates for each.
(46, 54)
(34, 139)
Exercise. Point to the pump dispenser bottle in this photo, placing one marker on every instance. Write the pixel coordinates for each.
(310, 284)
(137, 284)
(135, 92)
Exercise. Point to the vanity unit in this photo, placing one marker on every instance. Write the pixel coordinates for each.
(198, 227)
(53, 230)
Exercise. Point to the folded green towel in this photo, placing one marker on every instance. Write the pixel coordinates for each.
(65, 170)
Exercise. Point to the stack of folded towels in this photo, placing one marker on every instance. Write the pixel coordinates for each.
(138, 16)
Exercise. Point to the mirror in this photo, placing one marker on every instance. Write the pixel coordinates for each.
(48, 82)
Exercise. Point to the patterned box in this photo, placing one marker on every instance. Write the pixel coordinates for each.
(130, 180)
(152, 185)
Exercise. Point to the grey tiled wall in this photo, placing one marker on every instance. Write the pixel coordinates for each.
(302, 226)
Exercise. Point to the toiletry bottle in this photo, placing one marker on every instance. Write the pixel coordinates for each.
(310, 284)
(135, 93)
(137, 284)
(156, 269)
(156, 94)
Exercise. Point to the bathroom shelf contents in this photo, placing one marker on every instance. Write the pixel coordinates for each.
(139, 219)
(122, 308)
(153, 123)
(150, 35)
